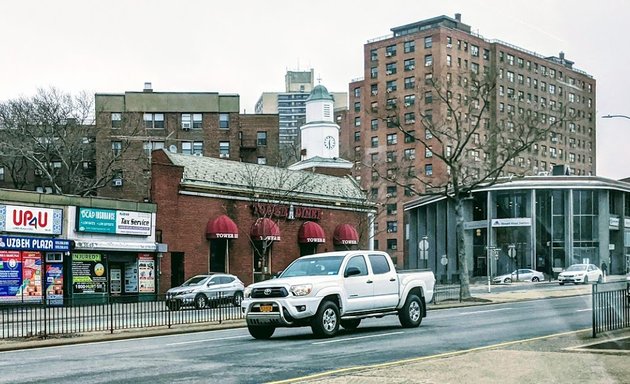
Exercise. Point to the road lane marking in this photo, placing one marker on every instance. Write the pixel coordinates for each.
(488, 310)
(204, 340)
(356, 338)
(417, 359)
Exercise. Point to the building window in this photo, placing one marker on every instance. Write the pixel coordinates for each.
(151, 146)
(154, 120)
(410, 154)
(261, 138)
(390, 50)
(357, 106)
(474, 50)
(428, 153)
(428, 60)
(224, 120)
(410, 82)
(410, 64)
(192, 120)
(391, 191)
(410, 118)
(116, 148)
(116, 119)
(198, 148)
(373, 73)
(390, 68)
(391, 86)
(357, 136)
(224, 149)
(428, 169)
(391, 156)
(410, 137)
(186, 147)
(392, 139)
(428, 97)
(392, 209)
(409, 100)
(428, 42)
(357, 92)
(262, 160)
(409, 46)
(392, 226)
(357, 121)
(374, 141)
(373, 55)
(374, 124)
(392, 244)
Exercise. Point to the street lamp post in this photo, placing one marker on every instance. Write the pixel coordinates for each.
(612, 116)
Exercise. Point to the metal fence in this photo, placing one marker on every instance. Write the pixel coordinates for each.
(78, 316)
(446, 292)
(611, 306)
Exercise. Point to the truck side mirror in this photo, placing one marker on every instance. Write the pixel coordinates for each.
(352, 271)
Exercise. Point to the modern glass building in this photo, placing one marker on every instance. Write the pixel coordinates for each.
(544, 223)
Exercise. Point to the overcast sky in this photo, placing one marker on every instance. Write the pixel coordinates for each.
(246, 46)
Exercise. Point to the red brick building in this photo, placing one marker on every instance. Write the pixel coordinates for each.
(247, 219)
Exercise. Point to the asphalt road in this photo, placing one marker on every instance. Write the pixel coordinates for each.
(232, 356)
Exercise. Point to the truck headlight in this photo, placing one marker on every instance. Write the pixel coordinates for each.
(247, 293)
(302, 289)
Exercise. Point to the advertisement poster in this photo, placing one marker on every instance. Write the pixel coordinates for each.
(31, 276)
(88, 273)
(10, 276)
(54, 284)
(146, 269)
(131, 278)
(114, 222)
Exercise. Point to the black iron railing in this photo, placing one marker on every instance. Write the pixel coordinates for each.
(446, 292)
(80, 316)
(611, 306)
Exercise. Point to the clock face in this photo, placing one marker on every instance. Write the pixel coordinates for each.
(329, 142)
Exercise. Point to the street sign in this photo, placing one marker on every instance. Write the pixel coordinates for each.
(423, 245)
(444, 260)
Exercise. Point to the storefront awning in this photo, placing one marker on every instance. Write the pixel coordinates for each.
(346, 234)
(221, 228)
(311, 232)
(265, 229)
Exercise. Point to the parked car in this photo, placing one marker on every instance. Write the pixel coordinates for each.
(581, 273)
(206, 290)
(520, 275)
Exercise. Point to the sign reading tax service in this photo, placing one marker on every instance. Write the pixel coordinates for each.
(97, 220)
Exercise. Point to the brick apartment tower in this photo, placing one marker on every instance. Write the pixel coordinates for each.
(396, 70)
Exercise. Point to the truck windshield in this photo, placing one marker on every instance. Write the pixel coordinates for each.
(314, 266)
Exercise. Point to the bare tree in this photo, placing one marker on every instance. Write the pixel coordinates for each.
(52, 135)
(471, 141)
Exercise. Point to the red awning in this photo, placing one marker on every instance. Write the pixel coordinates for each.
(346, 234)
(311, 232)
(221, 228)
(265, 229)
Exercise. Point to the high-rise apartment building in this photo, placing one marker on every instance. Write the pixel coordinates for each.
(132, 124)
(290, 106)
(398, 72)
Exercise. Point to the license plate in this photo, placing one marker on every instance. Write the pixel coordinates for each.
(266, 308)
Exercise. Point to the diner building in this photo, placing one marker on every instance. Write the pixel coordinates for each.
(249, 220)
(545, 223)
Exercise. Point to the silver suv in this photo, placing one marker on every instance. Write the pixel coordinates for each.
(206, 291)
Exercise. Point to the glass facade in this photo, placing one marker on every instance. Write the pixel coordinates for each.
(585, 227)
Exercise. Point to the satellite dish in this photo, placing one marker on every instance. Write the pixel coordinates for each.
(172, 148)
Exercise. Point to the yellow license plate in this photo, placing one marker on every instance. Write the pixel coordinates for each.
(266, 308)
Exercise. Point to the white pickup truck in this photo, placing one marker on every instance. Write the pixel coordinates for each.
(327, 290)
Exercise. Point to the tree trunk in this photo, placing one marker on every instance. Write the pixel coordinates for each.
(464, 281)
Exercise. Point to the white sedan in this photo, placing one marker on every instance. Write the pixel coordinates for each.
(581, 273)
(520, 275)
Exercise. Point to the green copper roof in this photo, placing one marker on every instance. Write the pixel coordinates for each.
(320, 93)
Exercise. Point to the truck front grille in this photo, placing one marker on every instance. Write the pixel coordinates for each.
(261, 293)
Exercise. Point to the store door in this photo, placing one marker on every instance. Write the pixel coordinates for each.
(115, 279)
(177, 269)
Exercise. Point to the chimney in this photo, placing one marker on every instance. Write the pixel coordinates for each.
(147, 87)
(458, 17)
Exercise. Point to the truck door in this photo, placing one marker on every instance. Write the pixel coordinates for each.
(359, 288)
(385, 282)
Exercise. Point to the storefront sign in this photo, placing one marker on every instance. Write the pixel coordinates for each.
(613, 223)
(16, 218)
(515, 222)
(146, 270)
(88, 273)
(34, 243)
(476, 224)
(288, 211)
(115, 245)
(113, 222)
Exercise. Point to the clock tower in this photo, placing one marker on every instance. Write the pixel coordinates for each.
(319, 136)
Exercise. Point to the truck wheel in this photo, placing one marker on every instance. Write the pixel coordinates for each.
(200, 301)
(410, 315)
(326, 320)
(261, 332)
(350, 323)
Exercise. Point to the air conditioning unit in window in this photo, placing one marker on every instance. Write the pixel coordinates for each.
(449, 45)
(412, 67)
(412, 157)
(407, 105)
(224, 155)
(388, 195)
(117, 183)
(198, 154)
(186, 125)
(393, 246)
(186, 129)
(428, 64)
(374, 93)
(388, 72)
(389, 90)
(388, 54)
